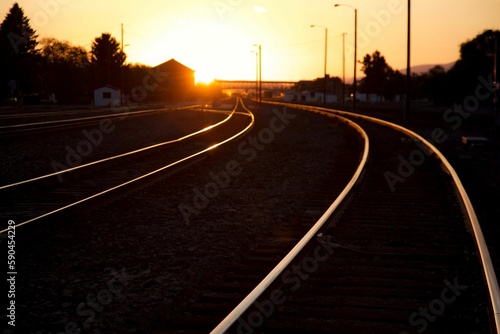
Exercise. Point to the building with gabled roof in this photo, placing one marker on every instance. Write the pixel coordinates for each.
(176, 82)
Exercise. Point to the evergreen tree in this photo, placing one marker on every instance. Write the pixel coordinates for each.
(19, 58)
(107, 58)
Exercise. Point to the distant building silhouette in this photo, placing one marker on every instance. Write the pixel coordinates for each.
(176, 82)
(107, 96)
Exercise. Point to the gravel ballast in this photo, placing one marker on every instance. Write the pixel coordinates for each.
(121, 267)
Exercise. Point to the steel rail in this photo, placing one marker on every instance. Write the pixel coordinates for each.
(238, 311)
(38, 114)
(91, 118)
(240, 133)
(124, 154)
(484, 254)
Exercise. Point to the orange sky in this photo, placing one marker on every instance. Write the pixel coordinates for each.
(215, 37)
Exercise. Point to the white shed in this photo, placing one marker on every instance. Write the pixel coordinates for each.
(107, 96)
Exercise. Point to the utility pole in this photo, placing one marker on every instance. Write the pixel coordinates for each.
(355, 52)
(343, 67)
(122, 38)
(408, 69)
(495, 92)
(324, 67)
(355, 57)
(108, 47)
(122, 88)
(326, 57)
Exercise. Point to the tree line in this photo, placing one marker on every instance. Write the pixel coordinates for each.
(32, 69)
(438, 86)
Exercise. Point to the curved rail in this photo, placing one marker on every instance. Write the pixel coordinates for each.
(240, 133)
(125, 154)
(484, 254)
(277, 271)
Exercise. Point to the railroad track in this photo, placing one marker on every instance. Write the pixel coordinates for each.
(394, 246)
(10, 125)
(49, 195)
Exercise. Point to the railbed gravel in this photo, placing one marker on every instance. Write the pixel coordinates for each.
(143, 260)
(21, 159)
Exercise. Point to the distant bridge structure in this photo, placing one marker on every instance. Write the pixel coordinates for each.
(249, 85)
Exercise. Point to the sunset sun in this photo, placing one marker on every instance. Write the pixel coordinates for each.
(204, 75)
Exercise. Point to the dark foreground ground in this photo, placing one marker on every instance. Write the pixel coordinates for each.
(142, 255)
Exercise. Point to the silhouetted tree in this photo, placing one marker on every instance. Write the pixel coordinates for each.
(476, 59)
(134, 75)
(435, 85)
(19, 58)
(376, 73)
(66, 70)
(62, 52)
(395, 84)
(417, 88)
(107, 59)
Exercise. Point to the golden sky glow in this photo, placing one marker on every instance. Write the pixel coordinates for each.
(215, 37)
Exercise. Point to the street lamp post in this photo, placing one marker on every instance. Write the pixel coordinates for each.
(326, 57)
(408, 69)
(355, 52)
(256, 73)
(260, 75)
